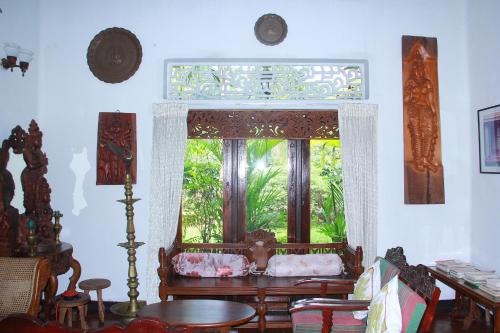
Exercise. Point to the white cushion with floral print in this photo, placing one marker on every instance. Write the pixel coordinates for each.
(384, 315)
(210, 264)
(321, 264)
(367, 286)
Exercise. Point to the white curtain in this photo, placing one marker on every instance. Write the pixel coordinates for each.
(167, 166)
(358, 137)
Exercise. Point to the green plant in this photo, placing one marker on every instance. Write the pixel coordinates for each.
(265, 195)
(202, 204)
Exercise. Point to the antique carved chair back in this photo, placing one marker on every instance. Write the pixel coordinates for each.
(22, 281)
(36, 192)
(418, 278)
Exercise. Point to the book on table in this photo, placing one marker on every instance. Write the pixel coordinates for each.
(447, 265)
(492, 292)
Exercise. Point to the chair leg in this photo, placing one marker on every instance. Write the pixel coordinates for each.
(61, 314)
(86, 305)
(70, 317)
(81, 312)
(100, 306)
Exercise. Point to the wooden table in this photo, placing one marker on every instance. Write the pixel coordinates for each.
(199, 313)
(476, 296)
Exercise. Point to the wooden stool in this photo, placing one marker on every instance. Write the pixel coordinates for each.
(66, 307)
(98, 285)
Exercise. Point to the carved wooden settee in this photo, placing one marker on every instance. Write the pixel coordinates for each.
(271, 296)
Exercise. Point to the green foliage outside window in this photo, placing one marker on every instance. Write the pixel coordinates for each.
(267, 190)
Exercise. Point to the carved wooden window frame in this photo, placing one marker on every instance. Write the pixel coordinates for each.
(235, 127)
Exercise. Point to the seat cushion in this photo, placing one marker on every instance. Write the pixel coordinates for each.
(387, 271)
(367, 286)
(384, 315)
(413, 308)
(311, 321)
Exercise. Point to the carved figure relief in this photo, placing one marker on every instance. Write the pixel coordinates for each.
(424, 181)
(36, 191)
(120, 129)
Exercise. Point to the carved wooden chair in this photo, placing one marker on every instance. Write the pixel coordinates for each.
(27, 324)
(337, 316)
(317, 314)
(22, 281)
(416, 286)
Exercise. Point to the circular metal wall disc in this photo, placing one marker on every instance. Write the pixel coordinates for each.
(270, 29)
(114, 55)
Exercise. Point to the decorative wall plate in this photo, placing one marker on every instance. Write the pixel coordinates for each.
(114, 55)
(270, 29)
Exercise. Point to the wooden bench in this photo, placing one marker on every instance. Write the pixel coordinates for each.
(271, 296)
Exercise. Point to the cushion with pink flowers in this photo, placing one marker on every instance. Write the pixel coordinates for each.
(304, 265)
(210, 264)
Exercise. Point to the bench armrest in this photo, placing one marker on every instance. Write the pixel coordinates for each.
(327, 281)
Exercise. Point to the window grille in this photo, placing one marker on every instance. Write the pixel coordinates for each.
(263, 80)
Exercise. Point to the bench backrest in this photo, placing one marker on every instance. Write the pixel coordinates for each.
(260, 245)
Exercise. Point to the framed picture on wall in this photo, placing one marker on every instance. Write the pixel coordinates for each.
(489, 139)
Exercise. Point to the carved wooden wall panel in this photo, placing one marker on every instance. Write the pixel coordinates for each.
(423, 168)
(36, 191)
(120, 129)
(244, 124)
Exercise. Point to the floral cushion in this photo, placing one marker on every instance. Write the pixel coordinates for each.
(304, 265)
(384, 315)
(210, 264)
(367, 286)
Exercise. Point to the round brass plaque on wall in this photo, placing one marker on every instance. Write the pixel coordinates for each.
(270, 29)
(114, 55)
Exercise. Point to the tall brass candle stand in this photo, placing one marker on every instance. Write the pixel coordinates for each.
(128, 309)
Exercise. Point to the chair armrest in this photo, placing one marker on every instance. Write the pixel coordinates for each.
(339, 281)
(330, 301)
(342, 305)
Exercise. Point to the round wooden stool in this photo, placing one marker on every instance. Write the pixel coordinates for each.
(98, 285)
(65, 308)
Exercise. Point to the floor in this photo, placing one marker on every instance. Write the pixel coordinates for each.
(442, 324)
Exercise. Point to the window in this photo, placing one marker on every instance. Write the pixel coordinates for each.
(275, 170)
(278, 80)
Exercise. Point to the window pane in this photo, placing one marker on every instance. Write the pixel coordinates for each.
(267, 186)
(327, 197)
(202, 192)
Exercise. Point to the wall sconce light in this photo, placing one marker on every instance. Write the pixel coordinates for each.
(14, 51)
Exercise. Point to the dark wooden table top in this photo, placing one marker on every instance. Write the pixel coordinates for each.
(199, 313)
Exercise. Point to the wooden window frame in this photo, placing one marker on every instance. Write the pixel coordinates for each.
(235, 127)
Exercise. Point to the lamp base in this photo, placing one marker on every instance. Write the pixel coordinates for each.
(122, 310)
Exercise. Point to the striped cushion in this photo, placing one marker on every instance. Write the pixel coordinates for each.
(311, 321)
(387, 271)
(412, 308)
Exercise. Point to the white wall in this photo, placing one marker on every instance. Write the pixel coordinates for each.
(19, 95)
(70, 98)
(484, 64)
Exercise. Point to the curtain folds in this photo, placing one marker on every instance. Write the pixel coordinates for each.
(167, 167)
(358, 137)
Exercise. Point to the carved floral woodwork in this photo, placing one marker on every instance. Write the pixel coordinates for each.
(36, 191)
(424, 179)
(244, 124)
(120, 129)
